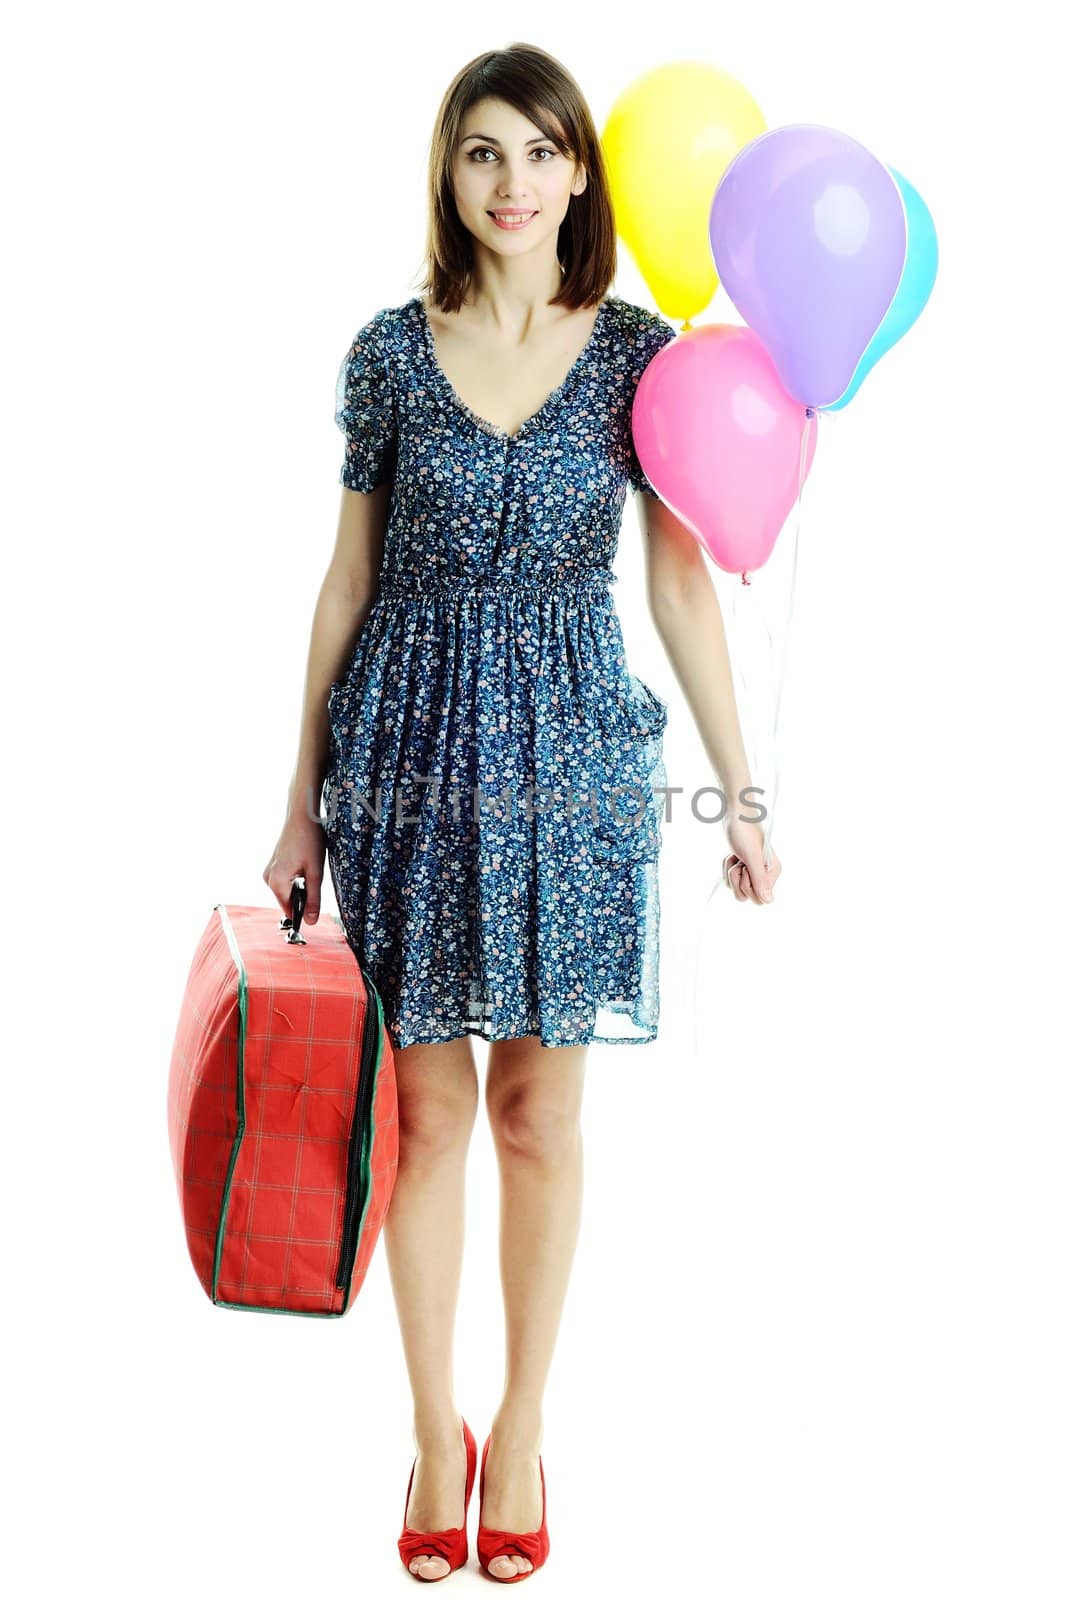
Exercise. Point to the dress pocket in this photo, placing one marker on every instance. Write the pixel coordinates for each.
(606, 752)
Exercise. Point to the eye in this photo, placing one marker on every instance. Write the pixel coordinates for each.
(483, 150)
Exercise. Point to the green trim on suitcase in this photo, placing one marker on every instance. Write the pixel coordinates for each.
(371, 1124)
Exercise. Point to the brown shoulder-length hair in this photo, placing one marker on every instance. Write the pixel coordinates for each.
(541, 89)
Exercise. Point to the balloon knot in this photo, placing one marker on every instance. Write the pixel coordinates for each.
(745, 579)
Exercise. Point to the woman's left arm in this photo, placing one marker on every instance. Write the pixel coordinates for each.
(684, 605)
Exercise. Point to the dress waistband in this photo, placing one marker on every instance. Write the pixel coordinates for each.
(462, 584)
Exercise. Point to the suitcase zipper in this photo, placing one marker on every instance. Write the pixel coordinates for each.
(354, 1199)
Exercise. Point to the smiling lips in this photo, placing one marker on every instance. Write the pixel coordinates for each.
(511, 221)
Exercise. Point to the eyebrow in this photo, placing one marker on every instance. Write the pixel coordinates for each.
(489, 140)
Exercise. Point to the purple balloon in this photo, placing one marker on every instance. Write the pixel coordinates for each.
(808, 236)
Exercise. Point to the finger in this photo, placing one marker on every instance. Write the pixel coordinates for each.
(271, 884)
(769, 878)
(282, 885)
(761, 878)
(763, 885)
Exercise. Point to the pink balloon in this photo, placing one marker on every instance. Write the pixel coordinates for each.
(719, 437)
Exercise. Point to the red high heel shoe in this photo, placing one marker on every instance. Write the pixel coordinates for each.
(451, 1543)
(492, 1542)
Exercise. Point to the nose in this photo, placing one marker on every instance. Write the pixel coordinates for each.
(509, 196)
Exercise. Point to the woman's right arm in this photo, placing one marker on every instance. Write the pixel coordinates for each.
(347, 593)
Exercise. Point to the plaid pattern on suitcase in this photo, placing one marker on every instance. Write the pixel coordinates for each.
(282, 1115)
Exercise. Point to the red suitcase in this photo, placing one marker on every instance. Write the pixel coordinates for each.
(282, 1113)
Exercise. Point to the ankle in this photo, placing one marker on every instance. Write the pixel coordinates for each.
(517, 1427)
(437, 1430)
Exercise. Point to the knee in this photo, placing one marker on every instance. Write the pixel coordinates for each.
(431, 1126)
(534, 1125)
(437, 1110)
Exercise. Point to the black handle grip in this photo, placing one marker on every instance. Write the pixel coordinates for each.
(298, 903)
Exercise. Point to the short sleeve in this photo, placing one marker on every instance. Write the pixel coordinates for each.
(652, 334)
(365, 410)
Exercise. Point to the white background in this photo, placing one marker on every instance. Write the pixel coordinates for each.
(813, 1338)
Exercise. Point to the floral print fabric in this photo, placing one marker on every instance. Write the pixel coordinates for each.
(495, 786)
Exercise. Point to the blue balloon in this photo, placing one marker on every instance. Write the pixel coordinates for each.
(910, 298)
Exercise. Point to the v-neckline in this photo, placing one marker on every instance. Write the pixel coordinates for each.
(493, 428)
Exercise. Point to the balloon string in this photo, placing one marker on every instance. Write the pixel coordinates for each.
(766, 852)
(719, 878)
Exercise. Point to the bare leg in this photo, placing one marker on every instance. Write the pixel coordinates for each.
(533, 1096)
(438, 1093)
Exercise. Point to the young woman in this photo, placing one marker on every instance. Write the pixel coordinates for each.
(491, 770)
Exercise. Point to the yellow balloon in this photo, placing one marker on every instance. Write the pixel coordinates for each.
(667, 141)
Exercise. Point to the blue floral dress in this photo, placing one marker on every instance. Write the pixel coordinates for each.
(495, 786)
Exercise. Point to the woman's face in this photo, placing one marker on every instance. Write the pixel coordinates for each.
(504, 162)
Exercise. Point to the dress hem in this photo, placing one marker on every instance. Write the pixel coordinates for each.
(548, 1044)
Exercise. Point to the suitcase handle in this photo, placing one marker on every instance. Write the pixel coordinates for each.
(298, 902)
